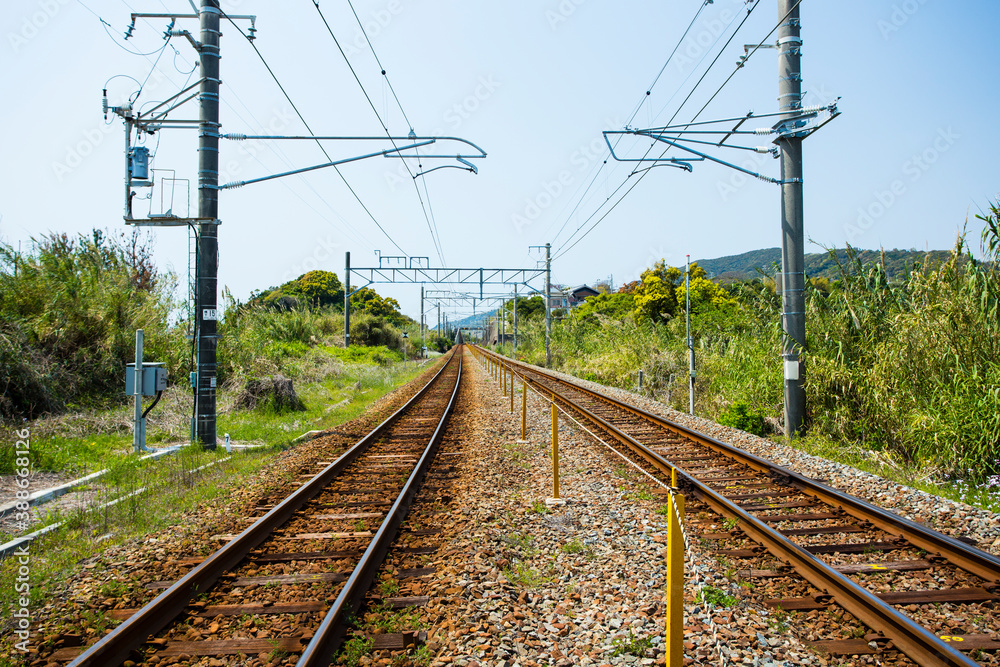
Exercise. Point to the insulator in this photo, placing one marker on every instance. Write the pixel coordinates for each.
(761, 131)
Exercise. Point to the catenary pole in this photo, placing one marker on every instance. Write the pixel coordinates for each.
(208, 208)
(548, 305)
(792, 234)
(347, 299)
(690, 340)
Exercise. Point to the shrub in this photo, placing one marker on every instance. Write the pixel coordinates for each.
(739, 415)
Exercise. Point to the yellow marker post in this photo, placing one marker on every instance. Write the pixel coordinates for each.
(524, 410)
(512, 393)
(675, 582)
(555, 449)
(673, 477)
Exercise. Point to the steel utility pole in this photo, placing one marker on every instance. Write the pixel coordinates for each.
(690, 340)
(548, 305)
(208, 208)
(347, 299)
(792, 237)
(423, 329)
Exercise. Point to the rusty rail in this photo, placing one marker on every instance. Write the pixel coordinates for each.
(118, 645)
(909, 637)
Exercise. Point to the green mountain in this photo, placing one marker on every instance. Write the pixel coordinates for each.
(745, 266)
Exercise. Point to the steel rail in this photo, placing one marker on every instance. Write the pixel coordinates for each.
(332, 630)
(906, 635)
(975, 561)
(118, 645)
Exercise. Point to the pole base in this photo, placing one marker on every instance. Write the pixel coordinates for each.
(522, 442)
(555, 502)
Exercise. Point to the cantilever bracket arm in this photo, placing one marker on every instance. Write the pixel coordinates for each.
(427, 140)
(240, 184)
(673, 142)
(680, 163)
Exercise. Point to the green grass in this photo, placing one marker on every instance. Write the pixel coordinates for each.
(524, 576)
(717, 597)
(631, 645)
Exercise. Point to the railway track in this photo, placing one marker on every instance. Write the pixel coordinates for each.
(294, 580)
(871, 562)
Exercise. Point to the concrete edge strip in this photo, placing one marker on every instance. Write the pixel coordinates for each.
(11, 547)
(45, 495)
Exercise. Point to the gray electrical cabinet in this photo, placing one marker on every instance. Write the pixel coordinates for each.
(154, 379)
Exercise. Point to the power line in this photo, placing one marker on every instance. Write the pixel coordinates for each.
(635, 112)
(561, 251)
(318, 143)
(431, 227)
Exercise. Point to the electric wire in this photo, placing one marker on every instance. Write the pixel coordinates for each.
(430, 225)
(564, 249)
(284, 92)
(107, 28)
(635, 112)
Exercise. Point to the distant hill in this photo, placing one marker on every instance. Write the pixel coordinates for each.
(746, 265)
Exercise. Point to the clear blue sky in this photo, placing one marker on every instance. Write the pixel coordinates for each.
(533, 83)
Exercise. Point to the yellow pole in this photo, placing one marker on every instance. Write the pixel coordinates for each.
(673, 477)
(512, 393)
(555, 449)
(524, 409)
(675, 582)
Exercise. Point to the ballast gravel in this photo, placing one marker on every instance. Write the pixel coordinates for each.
(582, 583)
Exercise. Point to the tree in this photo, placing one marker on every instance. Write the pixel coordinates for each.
(616, 306)
(529, 308)
(705, 295)
(369, 301)
(655, 296)
(317, 288)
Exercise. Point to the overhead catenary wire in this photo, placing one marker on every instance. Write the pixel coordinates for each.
(635, 112)
(431, 226)
(564, 249)
(298, 113)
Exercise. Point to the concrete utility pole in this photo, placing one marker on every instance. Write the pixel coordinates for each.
(208, 208)
(347, 299)
(792, 236)
(423, 329)
(515, 317)
(548, 305)
(690, 340)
